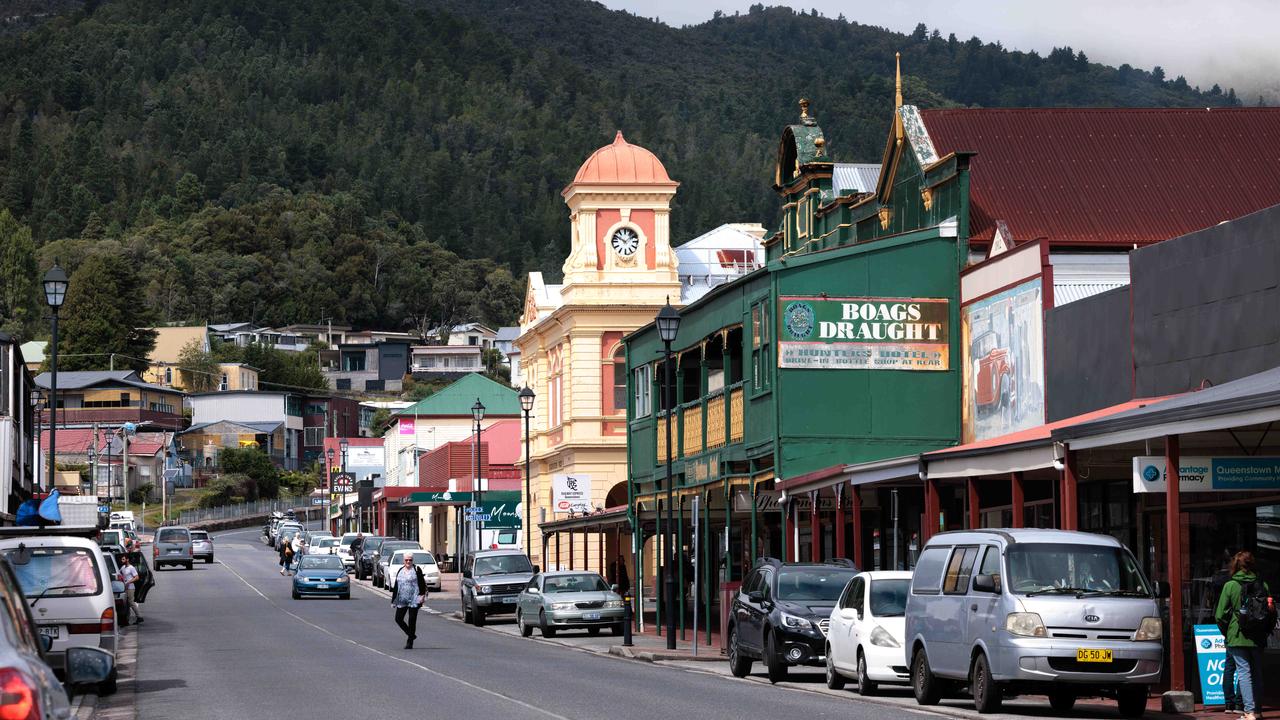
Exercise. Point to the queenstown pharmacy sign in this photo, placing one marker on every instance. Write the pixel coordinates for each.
(1208, 474)
(863, 333)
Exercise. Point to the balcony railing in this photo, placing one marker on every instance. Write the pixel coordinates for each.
(691, 421)
(704, 424)
(735, 414)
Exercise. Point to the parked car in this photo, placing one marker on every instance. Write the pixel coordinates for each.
(492, 581)
(172, 546)
(864, 640)
(780, 615)
(202, 545)
(568, 600)
(321, 575)
(425, 561)
(1033, 611)
(344, 551)
(324, 546)
(286, 535)
(114, 538)
(26, 674)
(70, 592)
(382, 557)
(367, 559)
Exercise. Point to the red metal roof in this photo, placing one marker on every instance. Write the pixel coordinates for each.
(1112, 177)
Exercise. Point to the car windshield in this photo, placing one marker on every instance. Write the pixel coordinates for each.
(199, 535)
(326, 542)
(586, 582)
(347, 540)
(388, 548)
(812, 584)
(59, 571)
(110, 537)
(1036, 568)
(321, 562)
(170, 535)
(501, 565)
(889, 597)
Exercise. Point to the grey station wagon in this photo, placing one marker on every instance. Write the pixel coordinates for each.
(173, 546)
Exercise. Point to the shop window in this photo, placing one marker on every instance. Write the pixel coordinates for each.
(642, 379)
(620, 381)
(761, 351)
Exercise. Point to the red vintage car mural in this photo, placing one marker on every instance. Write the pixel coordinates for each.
(993, 373)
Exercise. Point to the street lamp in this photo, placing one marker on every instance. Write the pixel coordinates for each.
(55, 292)
(342, 447)
(37, 407)
(668, 322)
(477, 413)
(526, 404)
(328, 491)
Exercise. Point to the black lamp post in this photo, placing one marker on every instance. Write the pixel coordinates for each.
(668, 322)
(477, 413)
(37, 407)
(328, 490)
(526, 404)
(55, 292)
(342, 447)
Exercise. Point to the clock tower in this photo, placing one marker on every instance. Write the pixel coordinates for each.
(619, 213)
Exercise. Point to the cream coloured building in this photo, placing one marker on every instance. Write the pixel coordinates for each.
(620, 271)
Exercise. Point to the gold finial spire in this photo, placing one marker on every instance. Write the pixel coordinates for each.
(804, 108)
(819, 145)
(897, 82)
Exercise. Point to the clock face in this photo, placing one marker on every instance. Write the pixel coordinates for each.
(625, 242)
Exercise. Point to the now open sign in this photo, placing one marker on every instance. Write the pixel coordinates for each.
(1211, 652)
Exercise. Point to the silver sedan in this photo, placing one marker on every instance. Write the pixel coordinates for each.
(565, 600)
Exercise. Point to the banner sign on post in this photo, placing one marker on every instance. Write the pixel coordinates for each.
(1207, 474)
(1211, 654)
(571, 493)
(407, 426)
(861, 333)
(343, 482)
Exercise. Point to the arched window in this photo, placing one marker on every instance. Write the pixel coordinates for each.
(620, 380)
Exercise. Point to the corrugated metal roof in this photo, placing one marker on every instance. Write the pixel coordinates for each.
(1115, 177)
(848, 178)
(1067, 292)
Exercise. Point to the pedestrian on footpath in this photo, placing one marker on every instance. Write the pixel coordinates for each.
(129, 576)
(357, 547)
(1247, 610)
(1230, 699)
(299, 545)
(409, 595)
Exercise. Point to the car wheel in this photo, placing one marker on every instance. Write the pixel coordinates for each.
(547, 630)
(773, 661)
(866, 686)
(739, 664)
(1132, 700)
(593, 631)
(987, 693)
(191, 565)
(208, 560)
(619, 629)
(923, 683)
(110, 685)
(466, 611)
(477, 617)
(835, 680)
(1062, 700)
(296, 596)
(525, 630)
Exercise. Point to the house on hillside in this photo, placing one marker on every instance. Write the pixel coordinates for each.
(366, 366)
(111, 398)
(270, 420)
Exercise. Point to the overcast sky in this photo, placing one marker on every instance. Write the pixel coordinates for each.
(1229, 42)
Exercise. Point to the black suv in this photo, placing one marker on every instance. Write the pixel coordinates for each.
(780, 614)
(366, 561)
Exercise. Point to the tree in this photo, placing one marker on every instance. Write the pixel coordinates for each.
(253, 463)
(104, 315)
(198, 368)
(19, 279)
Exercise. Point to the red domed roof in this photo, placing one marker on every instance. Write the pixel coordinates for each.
(622, 162)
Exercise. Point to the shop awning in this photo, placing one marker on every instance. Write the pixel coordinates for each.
(1251, 400)
(897, 468)
(607, 517)
(1022, 451)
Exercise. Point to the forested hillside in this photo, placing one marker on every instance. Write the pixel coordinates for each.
(398, 163)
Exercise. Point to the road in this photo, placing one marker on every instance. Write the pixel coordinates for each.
(227, 641)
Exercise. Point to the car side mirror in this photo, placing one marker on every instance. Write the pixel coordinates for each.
(849, 614)
(537, 569)
(117, 586)
(466, 574)
(46, 643)
(534, 591)
(1162, 590)
(613, 588)
(755, 596)
(87, 666)
(986, 583)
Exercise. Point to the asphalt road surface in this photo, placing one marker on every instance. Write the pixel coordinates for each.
(227, 641)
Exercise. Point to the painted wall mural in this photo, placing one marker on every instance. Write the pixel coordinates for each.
(1003, 342)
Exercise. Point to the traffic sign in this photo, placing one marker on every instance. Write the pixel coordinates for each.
(480, 518)
(104, 508)
(317, 501)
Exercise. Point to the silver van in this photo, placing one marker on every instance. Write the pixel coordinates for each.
(173, 546)
(1048, 612)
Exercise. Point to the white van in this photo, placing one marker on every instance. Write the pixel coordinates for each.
(69, 588)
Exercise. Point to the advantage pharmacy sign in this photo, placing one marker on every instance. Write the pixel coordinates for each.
(1207, 474)
(862, 333)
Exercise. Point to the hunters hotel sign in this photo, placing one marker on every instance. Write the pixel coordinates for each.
(827, 333)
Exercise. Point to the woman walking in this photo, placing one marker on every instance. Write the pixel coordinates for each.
(286, 556)
(410, 591)
(1247, 611)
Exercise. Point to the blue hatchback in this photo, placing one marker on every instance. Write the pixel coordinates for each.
(321, 575)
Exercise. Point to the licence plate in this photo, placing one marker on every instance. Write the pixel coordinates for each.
(173, 552)
(590, 616)
(322, 586)
(1096, 655)
(50, 631)
(508, 601)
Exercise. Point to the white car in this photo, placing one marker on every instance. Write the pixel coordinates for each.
(323, 546)
(867, 625)
(424, 560)
(69, 589)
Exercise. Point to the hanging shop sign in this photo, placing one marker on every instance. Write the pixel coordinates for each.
(571, 493)
(861, 333)
(1208, 474)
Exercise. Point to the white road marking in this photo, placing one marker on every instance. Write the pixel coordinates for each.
(424, 668)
